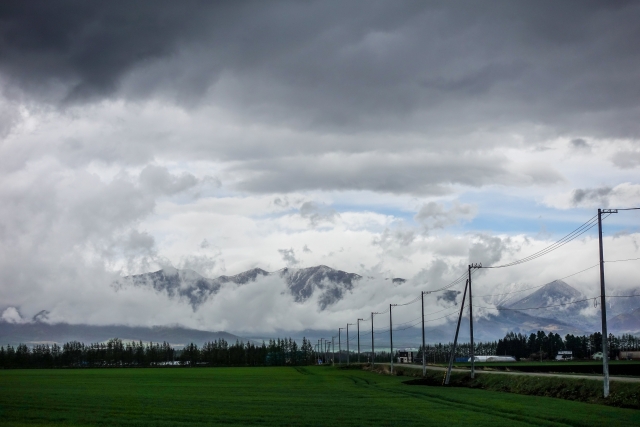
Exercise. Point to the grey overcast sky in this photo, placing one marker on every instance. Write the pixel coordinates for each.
(390, 139)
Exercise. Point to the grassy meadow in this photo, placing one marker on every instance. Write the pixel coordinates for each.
(308, 396)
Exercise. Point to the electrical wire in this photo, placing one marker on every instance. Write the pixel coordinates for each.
(460, 279)
(418, 322)
(413, 301)
(409, 321)
(623, 260)
(535, 287)
(538, 308)
(440, 311)
(621, 296)
(588, 225)
(448, 315)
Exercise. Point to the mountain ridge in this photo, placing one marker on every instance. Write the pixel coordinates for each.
(302, 283)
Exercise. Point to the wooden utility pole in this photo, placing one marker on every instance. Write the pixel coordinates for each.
(373, 352)
(473, 370)
(358, 322)
(391, 336)
(455, 340)
(603, 306)
(424, 352)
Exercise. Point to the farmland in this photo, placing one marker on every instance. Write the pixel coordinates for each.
(271, 396)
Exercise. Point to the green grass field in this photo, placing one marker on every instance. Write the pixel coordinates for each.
(272, 396)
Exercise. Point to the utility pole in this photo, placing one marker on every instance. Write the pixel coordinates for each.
(424, 352)
(373, 352)
(348, 355)
(358, 322)
(333, 351)
(391, 336)
(471, 324)
(603, 305)
(473, 368)
(455, 340)
(321, 349)
(339, 346)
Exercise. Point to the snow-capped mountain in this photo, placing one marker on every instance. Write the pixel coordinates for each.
(554, 293)
(559, 301)
(333, 284)
(302, 283)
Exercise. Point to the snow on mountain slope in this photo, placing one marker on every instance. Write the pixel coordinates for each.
(301, 282)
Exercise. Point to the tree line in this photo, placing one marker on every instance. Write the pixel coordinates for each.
(116, 353)
(537, 346)
(287, 352)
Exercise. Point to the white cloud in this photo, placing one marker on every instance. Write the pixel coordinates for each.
(11, 315)
(393, 145)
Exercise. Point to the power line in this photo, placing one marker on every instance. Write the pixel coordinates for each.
(535, 287)
(622, 296)
(559, 305)
(451, 284)
(409, 321)
(446, 308)
(407, 303)
(623, 260)
(538, 308)
(426, 321)
(588, 225)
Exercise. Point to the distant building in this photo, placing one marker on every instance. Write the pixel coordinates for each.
(406, 356)
(629, 355)
(493, 358)
(565, 355)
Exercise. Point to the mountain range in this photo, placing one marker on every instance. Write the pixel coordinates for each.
(302, 283)
(555, 307)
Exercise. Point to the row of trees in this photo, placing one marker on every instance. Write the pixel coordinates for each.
(542, 346)
(116, 353)
(547, 346)
(282, 352)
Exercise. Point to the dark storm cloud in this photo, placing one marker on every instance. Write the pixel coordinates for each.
(445, 66)
(88, 46)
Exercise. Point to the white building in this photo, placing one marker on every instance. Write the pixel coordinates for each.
(493, 359)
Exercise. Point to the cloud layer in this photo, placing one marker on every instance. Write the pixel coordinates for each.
(386, 139)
